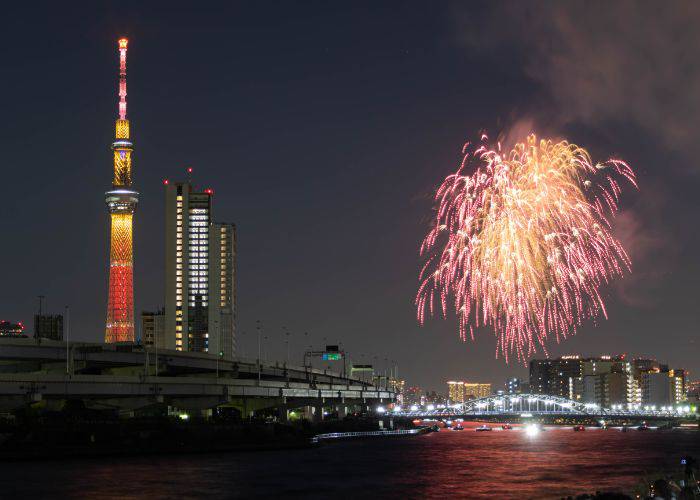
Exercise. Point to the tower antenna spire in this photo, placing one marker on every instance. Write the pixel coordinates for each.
(123, 42)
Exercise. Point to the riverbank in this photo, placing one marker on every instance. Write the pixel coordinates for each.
(60, 437)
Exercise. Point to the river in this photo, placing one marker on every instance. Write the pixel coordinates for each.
(499, 464)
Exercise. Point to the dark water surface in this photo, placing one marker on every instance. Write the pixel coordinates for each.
(466, 464)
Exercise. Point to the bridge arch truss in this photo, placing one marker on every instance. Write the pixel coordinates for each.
(536, 404)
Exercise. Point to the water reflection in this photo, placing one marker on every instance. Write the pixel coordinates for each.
(468, 464)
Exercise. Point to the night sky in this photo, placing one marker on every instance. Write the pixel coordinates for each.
(324, 128)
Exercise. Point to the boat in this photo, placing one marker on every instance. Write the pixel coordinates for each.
(506, 427)
(579, 428)
(482, 428)
(643, 427)
(458, 427)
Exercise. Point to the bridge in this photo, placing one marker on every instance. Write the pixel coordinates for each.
(129, 378)
(532, 405)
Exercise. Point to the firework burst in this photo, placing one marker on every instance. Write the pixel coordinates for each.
(523, 244)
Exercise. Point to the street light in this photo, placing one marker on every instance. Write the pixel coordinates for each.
(258, 327)
(286, 333)
(242, 345)
(67, 340)
(218, 347)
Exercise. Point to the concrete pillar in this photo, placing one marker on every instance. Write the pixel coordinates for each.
(307, 413)
(342, 411)
(318, 413)
(282, 414)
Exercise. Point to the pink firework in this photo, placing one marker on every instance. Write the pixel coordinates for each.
(523, 244)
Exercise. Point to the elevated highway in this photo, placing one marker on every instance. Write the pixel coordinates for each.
(127, 377)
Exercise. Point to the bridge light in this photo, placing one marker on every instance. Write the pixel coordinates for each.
(380, 409)
(414, 408)
(397, 409)
(431, 407)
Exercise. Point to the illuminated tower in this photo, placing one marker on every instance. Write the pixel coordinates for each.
(121, 203)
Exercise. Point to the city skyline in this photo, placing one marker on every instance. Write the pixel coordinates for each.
(328, 175)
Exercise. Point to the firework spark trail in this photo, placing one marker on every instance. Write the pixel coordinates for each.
(523, 244)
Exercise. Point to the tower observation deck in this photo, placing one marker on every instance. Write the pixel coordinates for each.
(121, 204)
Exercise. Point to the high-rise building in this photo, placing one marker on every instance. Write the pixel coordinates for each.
(556, 377)
(398, 386)
(222, 272)
(642, 365)
(656, 388)
(153, 328)
(48, 326)
(540, 370)
(678, 385)
(460, 391)
(513, 386)
(603, 380)
(121, 204)
(413, 395)
(200, 273)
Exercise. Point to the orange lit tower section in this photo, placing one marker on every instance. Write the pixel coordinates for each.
(121, 203)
